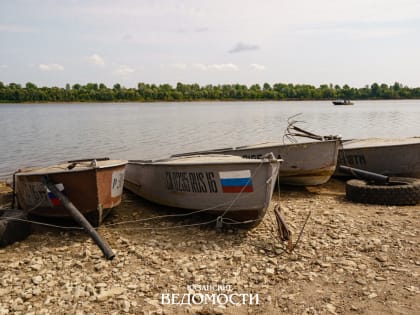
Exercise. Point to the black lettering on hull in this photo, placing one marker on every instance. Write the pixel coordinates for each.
(257, 156)
(196, 182)
(353, 160)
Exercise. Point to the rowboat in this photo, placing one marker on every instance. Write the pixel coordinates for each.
(343, 102)
(231, 187)
(391, 157)
(304, 163)
(94, 186)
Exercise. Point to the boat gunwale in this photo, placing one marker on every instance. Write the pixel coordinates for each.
(263, 145)
(365, 147)
(174, 162)
(54, 169)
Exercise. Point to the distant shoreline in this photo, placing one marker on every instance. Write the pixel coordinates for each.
(100, 93)
(200, 101)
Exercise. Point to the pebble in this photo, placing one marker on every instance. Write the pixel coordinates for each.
(381, 258)
(348, 256)
(109, 293)
(37, 279)
(330, 308)
(372, 296)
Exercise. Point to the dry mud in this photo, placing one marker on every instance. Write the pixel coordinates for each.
(351, 259)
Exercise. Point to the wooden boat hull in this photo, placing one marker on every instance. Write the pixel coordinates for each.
(306, 163)
(391, 157)
(94, 190)
(202, 183)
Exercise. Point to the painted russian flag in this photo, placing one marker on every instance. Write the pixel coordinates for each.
(53, 198)
(236, 181)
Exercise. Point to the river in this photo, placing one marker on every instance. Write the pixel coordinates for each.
(42, 134)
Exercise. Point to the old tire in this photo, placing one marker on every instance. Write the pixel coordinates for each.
(399, 191)
(12, 229)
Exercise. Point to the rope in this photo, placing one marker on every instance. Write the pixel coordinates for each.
(241, 191)
(43, 223)
(301, 232)
(270, 226)
(126, 228)
(169, 215)
(169, 227)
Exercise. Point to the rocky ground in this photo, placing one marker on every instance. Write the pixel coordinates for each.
(351, 259)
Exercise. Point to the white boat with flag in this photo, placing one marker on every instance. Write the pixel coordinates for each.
(233, 188)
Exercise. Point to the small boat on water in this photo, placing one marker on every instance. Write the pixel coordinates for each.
(391, 157)
(304, 163)
(94, 186)
(343, 102)
(231, 187)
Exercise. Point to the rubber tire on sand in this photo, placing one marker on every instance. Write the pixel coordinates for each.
(12, 230)
(399, 191)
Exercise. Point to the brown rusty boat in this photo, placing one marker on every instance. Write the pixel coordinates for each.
(94, 186)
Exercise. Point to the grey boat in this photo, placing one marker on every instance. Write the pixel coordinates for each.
(231, 187)
(391, 157)
(304, 163)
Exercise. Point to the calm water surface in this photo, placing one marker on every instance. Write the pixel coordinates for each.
(41, 134)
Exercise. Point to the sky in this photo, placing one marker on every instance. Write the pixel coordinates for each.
(354, 42)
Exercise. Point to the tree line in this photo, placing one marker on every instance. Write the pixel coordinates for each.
(94, 92)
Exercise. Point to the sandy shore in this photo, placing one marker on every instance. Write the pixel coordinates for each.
(351, 259)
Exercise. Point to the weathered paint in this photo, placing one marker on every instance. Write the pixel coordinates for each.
(198, 185)
(88, 188)
(301, 160)
(391, 157)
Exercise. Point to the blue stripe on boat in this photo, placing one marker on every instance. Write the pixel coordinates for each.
(228, 182)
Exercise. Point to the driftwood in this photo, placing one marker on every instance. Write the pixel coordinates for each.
(284, 232)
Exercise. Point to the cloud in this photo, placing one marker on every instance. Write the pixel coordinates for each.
(179, 66)
(240, 47)
(96, 60)
(218, 67)
(51, 67)
(224, 66)
(200, 66)
(258, 67)
(124, 70)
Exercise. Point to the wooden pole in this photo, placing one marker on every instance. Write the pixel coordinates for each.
(75, 213)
